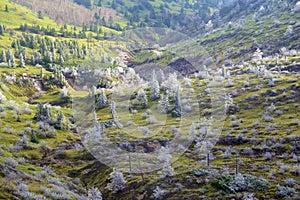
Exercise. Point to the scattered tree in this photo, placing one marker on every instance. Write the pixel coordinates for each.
(117, 181)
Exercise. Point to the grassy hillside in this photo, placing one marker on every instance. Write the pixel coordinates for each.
(18, 14)
(52, 76)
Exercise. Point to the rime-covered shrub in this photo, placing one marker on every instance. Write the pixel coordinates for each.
(22, 191)
(240, 183)
(201, 172)
(268, 156)
(290, 182)
(11, 162)
(167, 171)
(117, 181)
(152, 120)
(64, 92)
(144, 115)
(159, 193)
(94, 194)
(295, 122)
(249, 196)
(248, 151)
(278, 112)
(235, 123)
(267, 118)
(282, 191)
(297, 7)
(21, 160)
(44, 130)
(2, 98)
(8, 129)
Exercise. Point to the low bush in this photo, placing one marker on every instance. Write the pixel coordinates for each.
(240, 183)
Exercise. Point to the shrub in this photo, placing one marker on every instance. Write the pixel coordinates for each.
(159, 193)
(282, 191)
(240, 183)
(200, 172)
(144, 115)
(290, 182)
(267, 118)
(2, 98)
(268, 156)
(249, 197)
(294, 122)
(11, 162)
(94, 194)
(152, 120)
(45, 130)
(117, 181)
(21, 160)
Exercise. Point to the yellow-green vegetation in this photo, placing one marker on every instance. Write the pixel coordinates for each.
(45, 79)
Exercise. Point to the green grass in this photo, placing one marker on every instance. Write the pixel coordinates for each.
(20, 15)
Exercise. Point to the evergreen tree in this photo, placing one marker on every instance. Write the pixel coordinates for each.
(23, 53)
(21, 61)
(9, 55)
(13, 62)
(9, 64)
(3, 56)
(61, 122)
(160, 76)
(33, 139)
(142, 98)
(40, 16)
(177, 112)
(154, 88)
(61, 59)
(101, 101)
(1, 29)
(48, 58)
(43, 113)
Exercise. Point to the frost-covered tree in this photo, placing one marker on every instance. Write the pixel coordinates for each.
(177, 110)
(102, 100)
(142, 99)
(2, 29)
(43, 112)
(21, 61)
(171, 84)
(48, 57)
(289, 30)
(3, 56)
(117, 181)
(160, 76)
(36, 58)
(154, 88)
(209, 26)
(61, 122)
(64, 92)
(94, 194)
(113, 109)
(257, 56)
(61, 59)
(164, 103)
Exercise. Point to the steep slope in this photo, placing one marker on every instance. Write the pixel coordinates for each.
(268, 25)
